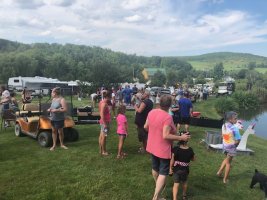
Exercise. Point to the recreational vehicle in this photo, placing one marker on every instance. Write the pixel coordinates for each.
(38, 83)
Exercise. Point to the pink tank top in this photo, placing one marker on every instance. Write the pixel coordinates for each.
(106, 114)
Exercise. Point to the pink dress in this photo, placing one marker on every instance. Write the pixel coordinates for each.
(121, 124)
(156, 145)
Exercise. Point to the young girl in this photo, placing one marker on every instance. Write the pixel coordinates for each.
(179, 167)
(122, 129)
(231, 139)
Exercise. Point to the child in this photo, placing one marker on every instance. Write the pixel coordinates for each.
(122, 129)
(231, 139)
(179, 166)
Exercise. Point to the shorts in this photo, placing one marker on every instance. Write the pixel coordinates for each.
(230, 151)
(58, 124)
(120, 134)
(160, 165)
(104, 129)
(142, 134)
(180, 176)
(176, 119)
(184, 120)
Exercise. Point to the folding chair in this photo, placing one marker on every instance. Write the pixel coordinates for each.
(7, 117)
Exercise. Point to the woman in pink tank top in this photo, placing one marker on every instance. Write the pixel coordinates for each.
(104, 122)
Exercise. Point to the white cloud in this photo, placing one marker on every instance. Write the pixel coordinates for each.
(134, 18)
(45, 33)
(145, 27)
(64, 3)
(29, 4)
(135, 4)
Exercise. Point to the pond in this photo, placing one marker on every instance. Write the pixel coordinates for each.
(259, 117)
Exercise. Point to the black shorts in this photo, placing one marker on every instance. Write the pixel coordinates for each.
(142, 134)
(184, 120)
(160, 165)
(180, 176)
(58, 124)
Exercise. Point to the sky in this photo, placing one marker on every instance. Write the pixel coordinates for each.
(141, 27)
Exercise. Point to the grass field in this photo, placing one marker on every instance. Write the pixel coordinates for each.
(228, 66)
(30, 172)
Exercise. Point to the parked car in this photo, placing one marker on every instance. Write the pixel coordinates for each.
(159, 90)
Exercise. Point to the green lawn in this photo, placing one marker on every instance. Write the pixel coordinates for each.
(28, 171)
(228, 66)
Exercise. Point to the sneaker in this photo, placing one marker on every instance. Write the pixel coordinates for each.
(6, 124)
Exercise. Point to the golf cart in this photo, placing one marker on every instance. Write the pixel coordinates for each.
(33, 120)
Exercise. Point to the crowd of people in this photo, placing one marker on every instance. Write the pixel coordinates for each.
(158, 127)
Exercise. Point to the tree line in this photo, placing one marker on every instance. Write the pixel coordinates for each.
(103, 66)
(91, 64)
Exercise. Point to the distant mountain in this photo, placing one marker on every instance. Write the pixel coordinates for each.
(231, 61)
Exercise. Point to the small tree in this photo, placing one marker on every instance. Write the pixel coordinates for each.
(159, 79)
(218, 71)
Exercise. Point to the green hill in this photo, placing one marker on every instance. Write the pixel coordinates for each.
(231, 61)
(72, 62)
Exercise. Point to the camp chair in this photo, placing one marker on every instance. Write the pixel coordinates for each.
(7, 116)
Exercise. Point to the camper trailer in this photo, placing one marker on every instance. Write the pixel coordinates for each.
(32, 83)
(37, 83)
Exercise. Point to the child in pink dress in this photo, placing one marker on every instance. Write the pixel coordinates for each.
(122, 130)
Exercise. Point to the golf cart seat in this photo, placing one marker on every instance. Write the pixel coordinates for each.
(28, 110)
(33, 119)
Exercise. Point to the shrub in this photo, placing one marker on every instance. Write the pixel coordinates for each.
(246, 100)
(225, 104)
(260, 93)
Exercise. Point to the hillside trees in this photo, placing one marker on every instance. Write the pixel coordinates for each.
(80, 62)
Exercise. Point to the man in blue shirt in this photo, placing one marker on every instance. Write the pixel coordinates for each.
(186, 109)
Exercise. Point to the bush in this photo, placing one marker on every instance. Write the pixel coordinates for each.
(225, 104)
(246, 100)
(260, 93)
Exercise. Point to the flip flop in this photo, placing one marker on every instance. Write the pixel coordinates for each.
(64, 147)
(105, 154)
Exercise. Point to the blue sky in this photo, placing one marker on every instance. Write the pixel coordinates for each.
(142, 27)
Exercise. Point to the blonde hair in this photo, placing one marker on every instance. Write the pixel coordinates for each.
(57, 90)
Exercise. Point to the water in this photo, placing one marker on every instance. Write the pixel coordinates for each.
(256, 116)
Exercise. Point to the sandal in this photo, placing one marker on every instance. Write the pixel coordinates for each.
(184, 197)
(120, 157)
(105, 154)
(124, 154)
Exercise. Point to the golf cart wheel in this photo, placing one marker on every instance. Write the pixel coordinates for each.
(18, 131)
(74, 135)
(45, 139)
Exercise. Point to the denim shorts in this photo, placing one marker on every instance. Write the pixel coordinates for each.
(160, 165)
(58, 124)
(104, 129)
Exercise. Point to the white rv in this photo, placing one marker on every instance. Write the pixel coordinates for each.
(38, 83)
